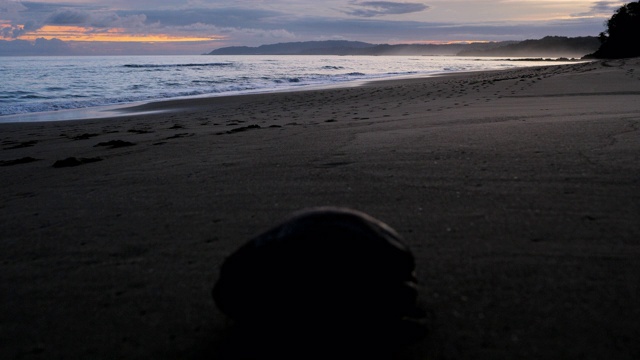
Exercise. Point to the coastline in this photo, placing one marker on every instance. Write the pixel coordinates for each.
(116, 109)
(161, 105)
(517, 191)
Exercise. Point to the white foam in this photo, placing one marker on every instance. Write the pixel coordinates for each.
(58, 84)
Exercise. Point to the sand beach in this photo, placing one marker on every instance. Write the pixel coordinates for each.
(518, 192)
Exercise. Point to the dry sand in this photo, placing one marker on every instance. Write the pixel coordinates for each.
(518, 192)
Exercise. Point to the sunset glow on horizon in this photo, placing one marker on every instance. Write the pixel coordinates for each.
(205, 24)
(84, 34)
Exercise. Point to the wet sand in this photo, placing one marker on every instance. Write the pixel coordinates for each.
(518, 192)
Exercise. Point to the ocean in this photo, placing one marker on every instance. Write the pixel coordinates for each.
(52, 85)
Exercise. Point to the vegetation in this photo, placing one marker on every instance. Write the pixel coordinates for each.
(549, 46)
(622, 37)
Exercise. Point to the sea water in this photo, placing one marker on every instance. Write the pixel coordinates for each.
(32, 85)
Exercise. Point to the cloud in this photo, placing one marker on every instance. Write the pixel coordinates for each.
(69, 17)
(244, 24)
(98, 19)
(10, 31)
(601, 9)
(243, 35)
(9, 11)
(229, 17)
(258, 22)
(381, 8)
(38, 47)
(8, 7)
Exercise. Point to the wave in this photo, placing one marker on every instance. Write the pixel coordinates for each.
(153, 66)
(214, 87)
(287, 80)
(154, 78)
(13, 108)
(33, 97)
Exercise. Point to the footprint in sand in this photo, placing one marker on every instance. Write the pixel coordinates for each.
(84, 136)
(333, 164)
(114, 144)
(20, 145)
(72, 161)
(178, 136)
(138, 131)
(240, 129)
(24, 160)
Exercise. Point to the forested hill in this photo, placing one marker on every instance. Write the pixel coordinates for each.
(551, 46)
(340, 47)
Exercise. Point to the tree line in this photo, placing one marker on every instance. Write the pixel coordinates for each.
(622, 37)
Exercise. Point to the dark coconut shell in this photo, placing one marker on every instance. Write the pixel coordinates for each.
(321, 266)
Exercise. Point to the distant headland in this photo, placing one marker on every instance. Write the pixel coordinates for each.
(550, 46)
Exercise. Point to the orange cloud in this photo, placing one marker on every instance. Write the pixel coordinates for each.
(86, 34)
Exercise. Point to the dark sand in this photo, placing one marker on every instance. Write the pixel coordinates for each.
(518, 192)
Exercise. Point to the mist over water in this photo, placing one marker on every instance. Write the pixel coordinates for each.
(42, 84)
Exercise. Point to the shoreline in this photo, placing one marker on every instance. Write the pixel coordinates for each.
(116, 110)
(129, 109)
(516, 190)
(138, 108)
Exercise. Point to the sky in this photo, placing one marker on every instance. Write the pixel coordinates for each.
(199, 26)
